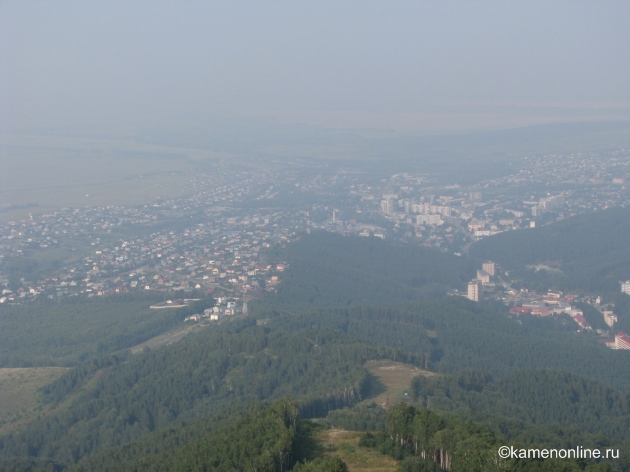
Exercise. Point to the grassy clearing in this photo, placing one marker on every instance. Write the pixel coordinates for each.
(48, 260)
(19, 396)
(168, 338)
(345, 444)
(396, 380)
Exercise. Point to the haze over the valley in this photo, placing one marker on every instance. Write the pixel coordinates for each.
(129, 67)
(315, 236)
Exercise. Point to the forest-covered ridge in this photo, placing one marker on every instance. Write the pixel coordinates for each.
(535, 396)
(70, 331)
(427, 440)
(452, 333)
(590, 252)
(113, 400)
(327, 269)
(311, 341)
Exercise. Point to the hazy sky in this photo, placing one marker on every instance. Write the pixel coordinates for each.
(334, 63)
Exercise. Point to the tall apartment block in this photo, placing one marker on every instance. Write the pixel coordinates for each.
(474, 290)
(490, 267)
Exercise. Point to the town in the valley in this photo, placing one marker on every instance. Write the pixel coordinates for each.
(212, 240)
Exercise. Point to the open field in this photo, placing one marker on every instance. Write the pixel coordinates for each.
(19, 387)
(41, 173)
(396, 379)
(345, 444)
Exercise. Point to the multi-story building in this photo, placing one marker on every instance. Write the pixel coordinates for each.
(625, 287)
(622, 341)
(429, 220)
(610, 318)
(475, 196)
(489, 267)
(483, 276)
(388, 205)
(474, 290)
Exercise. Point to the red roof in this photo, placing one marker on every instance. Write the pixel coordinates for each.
(520, 309)
(581, 321)
(540, 311)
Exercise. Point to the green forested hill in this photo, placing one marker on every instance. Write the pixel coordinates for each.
(67, 332)
(327, 269)
(273, 438)
(263, 437)
(113, 401)
(591, 251)
(317, 358)
(426, 440)
(451, 334)
(538, 396)
(310, 341)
